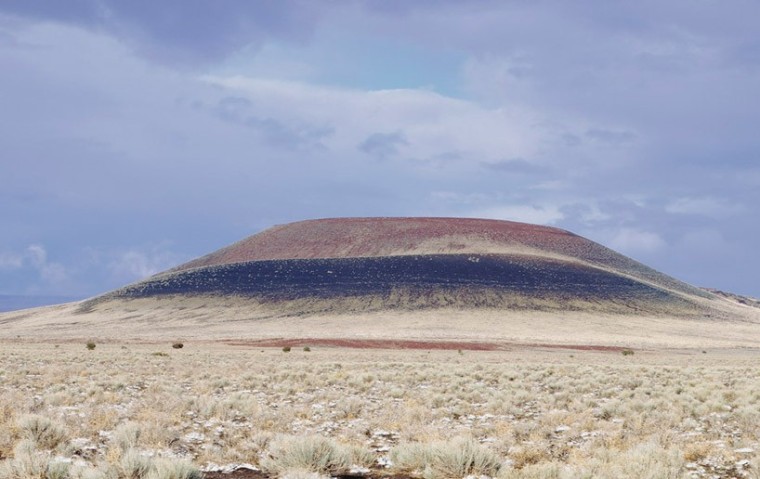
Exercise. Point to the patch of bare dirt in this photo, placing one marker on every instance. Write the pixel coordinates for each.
(250, 474)
(369, 344)
(411, 344)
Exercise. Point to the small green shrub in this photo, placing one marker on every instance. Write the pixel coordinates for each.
(178, 345)
(160, 354)
(90, 345)
(627, 352)
(306, 348)
(286, 349)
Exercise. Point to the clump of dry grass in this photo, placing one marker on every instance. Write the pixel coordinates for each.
(313, 454)
(42, 431)
(457, 458)
(29, 463)
(132, 465)
(126, 436)
(174, 469)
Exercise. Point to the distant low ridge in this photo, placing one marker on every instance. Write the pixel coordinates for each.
(438, 276)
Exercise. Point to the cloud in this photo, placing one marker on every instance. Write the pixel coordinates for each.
(515, 166)
(134, 264)
(544, 215)
(587, 213)
(179, 32)
(11, 261)
(382, 146)
(50, 272)
(704, 242)
(127, 123)
(634, 241)
(86, 271)
(611, 137)
(704, 206)
(429, 126)
(291, 135)
(33, 263)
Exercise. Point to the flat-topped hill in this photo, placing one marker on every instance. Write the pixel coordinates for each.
(379, 277)
(360, 265)
(382, 237)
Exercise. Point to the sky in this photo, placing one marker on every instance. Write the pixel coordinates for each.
(136, 135)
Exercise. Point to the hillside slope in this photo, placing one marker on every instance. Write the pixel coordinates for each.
(437, 278)
(381, 237)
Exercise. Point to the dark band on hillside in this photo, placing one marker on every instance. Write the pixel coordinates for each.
(277, 280)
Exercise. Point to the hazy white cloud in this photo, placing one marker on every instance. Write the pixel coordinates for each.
(37, 255)
(703, 242)
(138, 263)
(704, 206)
(427, 125)
(383, 145)
(456, 198)
(499, 79)
(11, 261)
(50, 272)
(633, 241)
(539, 214)
(33, 262)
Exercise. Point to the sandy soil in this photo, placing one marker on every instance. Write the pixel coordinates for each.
(214, 318)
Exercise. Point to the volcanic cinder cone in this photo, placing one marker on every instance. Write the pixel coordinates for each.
(412, 277)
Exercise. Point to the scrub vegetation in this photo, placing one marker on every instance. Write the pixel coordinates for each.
(122, 412)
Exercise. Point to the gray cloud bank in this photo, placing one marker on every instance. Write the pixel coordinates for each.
(139, 134)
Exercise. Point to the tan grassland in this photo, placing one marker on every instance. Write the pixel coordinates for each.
(136, 410)
(218, 317)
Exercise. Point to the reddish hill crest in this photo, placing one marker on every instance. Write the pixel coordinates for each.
(386, 237)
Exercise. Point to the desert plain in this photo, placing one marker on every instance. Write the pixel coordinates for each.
(235, 409)
(387, 347)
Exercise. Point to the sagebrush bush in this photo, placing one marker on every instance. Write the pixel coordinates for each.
(453, 459)
(44, 432)
(307, 453)
(90, 345)
(178, 345)
(360, 456)
(126, 436)
(410, 457)
(133, 465)
(462, 457)
(29, 463)
(174, 469)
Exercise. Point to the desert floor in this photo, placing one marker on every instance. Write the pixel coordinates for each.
(219, 318)
(148, 410)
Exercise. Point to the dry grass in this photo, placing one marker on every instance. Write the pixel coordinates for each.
(121, 412)
(199, 318)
